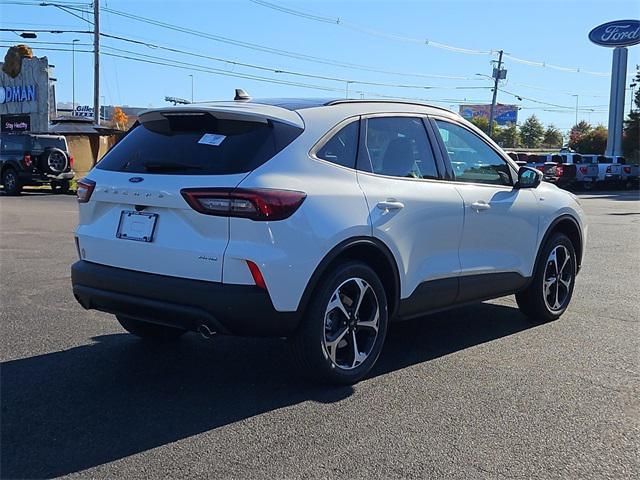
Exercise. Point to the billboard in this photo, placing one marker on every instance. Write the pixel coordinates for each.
(504, 114)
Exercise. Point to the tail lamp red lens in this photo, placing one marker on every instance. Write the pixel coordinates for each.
(26, 160)
(583, 170)
(84, 190)
(626, 169)
(260, 204)
(256, 274)
(71, 161)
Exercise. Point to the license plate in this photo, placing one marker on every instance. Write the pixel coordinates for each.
(138, 226)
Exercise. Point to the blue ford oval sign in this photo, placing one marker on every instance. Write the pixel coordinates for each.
(136, 179)
(620, 33)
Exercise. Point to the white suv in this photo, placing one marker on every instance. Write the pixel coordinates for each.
(320, 221)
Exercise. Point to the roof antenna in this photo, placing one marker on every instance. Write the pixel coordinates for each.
(241, 95)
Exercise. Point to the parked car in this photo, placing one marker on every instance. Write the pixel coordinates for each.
(34, 159)
(630, 175)
(317, 221)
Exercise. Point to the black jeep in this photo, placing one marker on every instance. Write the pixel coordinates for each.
(34, 159)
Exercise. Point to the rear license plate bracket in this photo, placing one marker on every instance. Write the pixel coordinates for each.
(136, 226)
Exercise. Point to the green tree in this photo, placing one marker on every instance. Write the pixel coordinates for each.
(631, 133)
(532, 132)
(482, 123)
(552, 137)
(508, 137)
(579, 130)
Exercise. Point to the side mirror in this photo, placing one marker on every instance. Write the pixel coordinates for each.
(528, 178)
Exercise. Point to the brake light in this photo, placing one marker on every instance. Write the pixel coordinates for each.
(256, 274)
(583, 170)
(71, 161)
(626, 169)
(541, 168)
(559, 170)
(26, 160)
(85, 189)
(260, 204)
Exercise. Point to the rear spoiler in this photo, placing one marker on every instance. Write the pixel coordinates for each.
(261, 114)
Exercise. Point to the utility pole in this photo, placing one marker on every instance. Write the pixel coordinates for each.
(497, 75)
(576, 109)
(96, 61)
(191, 88)
(73, 76)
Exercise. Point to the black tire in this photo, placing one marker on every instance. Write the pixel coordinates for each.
(534, 302)
(309, 343)
(150, 331)
(11, 182)
(60, 186)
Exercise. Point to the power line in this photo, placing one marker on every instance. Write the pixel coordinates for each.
(340, 22)
(289, 72)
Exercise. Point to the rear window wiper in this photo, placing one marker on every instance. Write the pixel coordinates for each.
(169, 167)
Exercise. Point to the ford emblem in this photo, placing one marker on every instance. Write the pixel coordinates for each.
(136, 179)
(620, 33)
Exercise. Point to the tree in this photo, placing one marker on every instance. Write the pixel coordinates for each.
(552, 137)
(594, 141)
(631, 132)
(531, 132)
(508, 137)
(577, 132)
(119, 119)
(482, 123)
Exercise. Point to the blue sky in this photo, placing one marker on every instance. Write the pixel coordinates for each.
(554, 32)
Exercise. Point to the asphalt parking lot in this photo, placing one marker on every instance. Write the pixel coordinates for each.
(471, 393)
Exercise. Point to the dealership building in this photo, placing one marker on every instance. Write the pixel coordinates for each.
(27, 101)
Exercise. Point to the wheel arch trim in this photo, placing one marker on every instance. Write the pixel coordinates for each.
(343, 248)
(552, 228)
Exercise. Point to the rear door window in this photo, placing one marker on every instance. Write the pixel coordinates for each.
(198, 145)
(39, 144)
(13, 143)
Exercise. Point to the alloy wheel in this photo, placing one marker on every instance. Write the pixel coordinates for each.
(558, 275)
(351, 323)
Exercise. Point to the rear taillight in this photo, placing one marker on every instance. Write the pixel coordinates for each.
(583, 170)
(256, 204)
(26, 160)
(541, 168)
(85, 189)
(559, 170)
(256, 274)
(626, 169)
(71, 161)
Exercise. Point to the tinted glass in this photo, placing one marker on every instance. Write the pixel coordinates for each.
(341, 149)
(398, 147)
(39, 144)
(472, 159)
(198, 145)
(13, 143)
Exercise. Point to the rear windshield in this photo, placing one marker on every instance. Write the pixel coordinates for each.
(39, 144)
(198, 145)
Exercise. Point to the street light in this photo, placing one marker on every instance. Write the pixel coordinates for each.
(73, 75)
(28, 35)
(575, 95)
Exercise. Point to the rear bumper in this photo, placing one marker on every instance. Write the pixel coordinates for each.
(244, 310)
(39, 177)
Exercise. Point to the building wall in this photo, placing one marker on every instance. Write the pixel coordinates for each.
(34, 72)
(87, 150)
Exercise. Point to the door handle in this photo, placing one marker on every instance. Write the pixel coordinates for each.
(390, 205)
(480, 205)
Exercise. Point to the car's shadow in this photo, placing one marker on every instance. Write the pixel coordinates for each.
(74, 409)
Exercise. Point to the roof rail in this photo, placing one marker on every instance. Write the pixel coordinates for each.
(406, 102)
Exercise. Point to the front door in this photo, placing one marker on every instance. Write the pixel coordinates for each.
(500, 231)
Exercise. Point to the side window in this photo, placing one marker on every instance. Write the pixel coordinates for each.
(398, 147)
(342, 147)
(13, 143)
(472, 159)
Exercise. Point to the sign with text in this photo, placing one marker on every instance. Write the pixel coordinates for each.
(620, 33)
(19, 93)
(83, 111)
(504, 114)
(15, 123)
